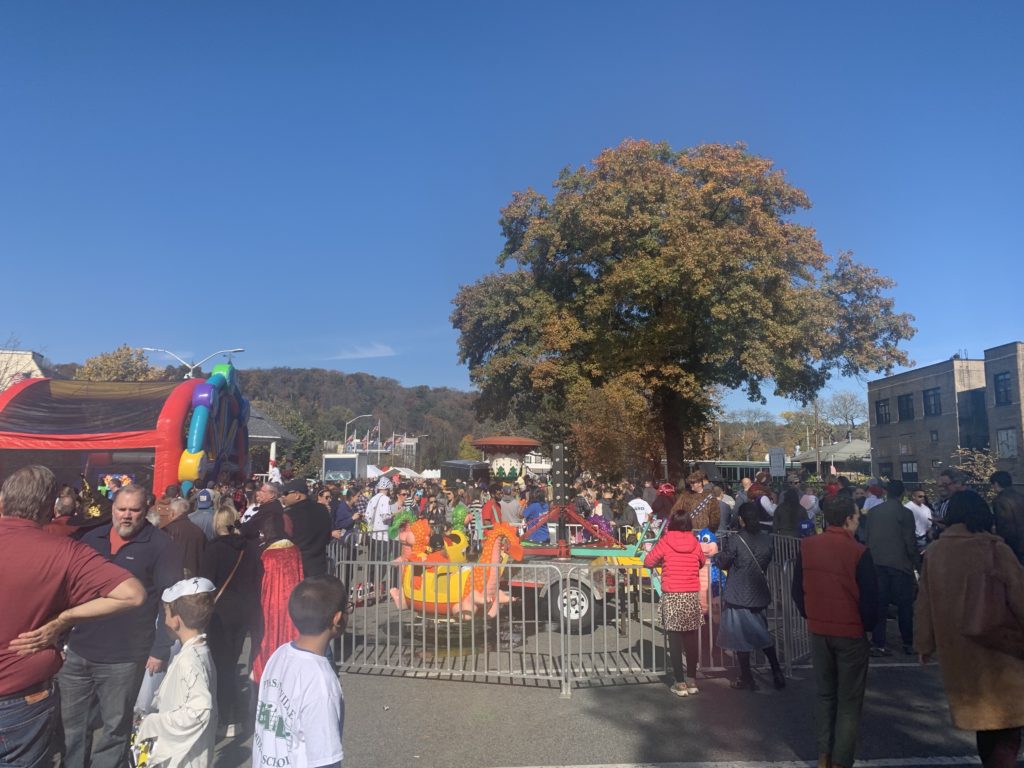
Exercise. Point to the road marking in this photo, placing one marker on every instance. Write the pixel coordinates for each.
(885, 762)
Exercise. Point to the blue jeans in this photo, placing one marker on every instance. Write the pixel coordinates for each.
(27, 730)
(114, 688)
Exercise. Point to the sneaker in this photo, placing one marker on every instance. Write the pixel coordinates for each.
(692, 689)
(878, 651)
(680, 689)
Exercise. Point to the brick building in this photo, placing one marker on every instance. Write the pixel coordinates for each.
(920, 417)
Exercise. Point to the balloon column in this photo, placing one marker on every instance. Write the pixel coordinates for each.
(218, 435)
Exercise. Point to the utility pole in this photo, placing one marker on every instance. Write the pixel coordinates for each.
(817, 442)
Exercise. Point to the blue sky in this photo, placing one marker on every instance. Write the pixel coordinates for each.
(313, 181)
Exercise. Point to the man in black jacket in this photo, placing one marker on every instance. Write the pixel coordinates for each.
(311, 527)
(107, 658)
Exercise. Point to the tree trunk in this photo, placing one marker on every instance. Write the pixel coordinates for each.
(672, 422)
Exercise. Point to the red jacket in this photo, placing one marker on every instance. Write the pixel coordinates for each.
(682, 556)
(834, 584)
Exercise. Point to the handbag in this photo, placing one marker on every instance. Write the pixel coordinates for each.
(231, 575)
(985, 616)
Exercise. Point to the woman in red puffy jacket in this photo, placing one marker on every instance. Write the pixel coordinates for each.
(681, 557)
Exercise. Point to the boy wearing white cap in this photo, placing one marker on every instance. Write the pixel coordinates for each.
(184, 725)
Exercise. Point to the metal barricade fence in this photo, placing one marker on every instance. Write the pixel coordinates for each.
(565, 625)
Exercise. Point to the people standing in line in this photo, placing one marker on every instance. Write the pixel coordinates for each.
(52, 584)
(699, 503)
(311, 526)
(300, 714)
(950, 481)
(744, 627)
(534, 511)
(183, 727)
(680, 555)
(268, 504)
(664, 501)
(1008, 507)
(232, 564)
(891, 537)
(206, 503)
(922, 512)
(186, 535)
(984, 686)
(281, 564)
(789, 514)
(106, 659)
(835, 588)
(378, 518)
(510, 511)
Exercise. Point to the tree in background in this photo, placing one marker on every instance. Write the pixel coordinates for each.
(466, 449)
(747, 434)
(846, 412)
(678, 269)
(123, 364)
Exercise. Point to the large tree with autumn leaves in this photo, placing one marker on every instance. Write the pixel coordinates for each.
(670, 275)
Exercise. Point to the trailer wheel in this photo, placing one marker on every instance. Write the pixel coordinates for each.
(574, 606)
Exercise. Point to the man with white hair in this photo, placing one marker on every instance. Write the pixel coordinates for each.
(186, 535)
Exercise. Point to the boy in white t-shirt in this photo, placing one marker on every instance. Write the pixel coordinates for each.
(300, 713)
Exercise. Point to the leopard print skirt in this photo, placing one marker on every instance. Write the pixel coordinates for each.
(680, 611)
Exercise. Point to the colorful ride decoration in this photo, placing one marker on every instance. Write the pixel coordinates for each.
(441, 583)
(217, 430)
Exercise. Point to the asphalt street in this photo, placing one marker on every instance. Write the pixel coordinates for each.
(397, 721)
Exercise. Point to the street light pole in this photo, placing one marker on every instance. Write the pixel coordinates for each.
(192, 366)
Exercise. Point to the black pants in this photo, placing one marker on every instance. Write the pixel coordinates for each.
(999, 749)
(226, 636)
(895, 587)
(677, 642)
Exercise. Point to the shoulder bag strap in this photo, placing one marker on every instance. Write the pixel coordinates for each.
(753, 557)
(231, 575)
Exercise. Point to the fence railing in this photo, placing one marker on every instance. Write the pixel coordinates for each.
(548, 623)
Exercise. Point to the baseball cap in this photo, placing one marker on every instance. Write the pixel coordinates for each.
(204, 500)
(384, 484)
(295, 486)
(185, 587)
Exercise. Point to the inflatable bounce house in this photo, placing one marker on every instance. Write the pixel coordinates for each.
(151, 434)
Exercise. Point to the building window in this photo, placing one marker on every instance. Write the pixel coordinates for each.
(1002, 387)
(932, 402)
(882, 411)
(906, 445)
(909, 471)
(905, 407)
(885, 469)
(933, 435)
(1006, 443)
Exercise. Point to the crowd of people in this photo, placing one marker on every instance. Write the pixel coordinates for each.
(131, 634)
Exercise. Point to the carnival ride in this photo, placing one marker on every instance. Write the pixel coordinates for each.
(155, 433)
(440, 583)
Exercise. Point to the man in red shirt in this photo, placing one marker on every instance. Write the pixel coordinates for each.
(58, 583)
